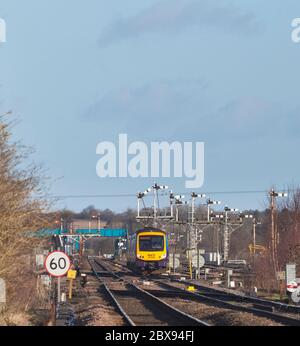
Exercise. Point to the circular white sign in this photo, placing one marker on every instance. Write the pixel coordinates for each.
(296, 296)
(176, 262)
(195, 261)
(57, 264)
(292, 286)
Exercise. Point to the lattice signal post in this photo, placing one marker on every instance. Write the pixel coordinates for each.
(152, 217)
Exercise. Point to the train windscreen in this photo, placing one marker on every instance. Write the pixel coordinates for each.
(151, 243)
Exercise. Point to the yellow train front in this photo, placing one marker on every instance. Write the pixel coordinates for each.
(148, 250)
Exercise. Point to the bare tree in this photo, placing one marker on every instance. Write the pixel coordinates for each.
(21, 204)
(289, 229)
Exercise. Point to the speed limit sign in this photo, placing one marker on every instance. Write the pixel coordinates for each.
(57, 264)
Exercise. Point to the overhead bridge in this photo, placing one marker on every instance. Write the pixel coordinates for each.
(103, 232)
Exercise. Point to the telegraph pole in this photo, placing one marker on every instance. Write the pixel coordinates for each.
(254, 235)
(274, 230)
(273, 246)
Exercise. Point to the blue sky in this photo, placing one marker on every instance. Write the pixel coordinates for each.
(223, 72)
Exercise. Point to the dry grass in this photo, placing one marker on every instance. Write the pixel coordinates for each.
(14, 319)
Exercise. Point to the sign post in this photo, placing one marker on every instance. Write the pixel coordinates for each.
(58, 290)
(71, 276)
(70, 289)
(57, 265)
(290, 272)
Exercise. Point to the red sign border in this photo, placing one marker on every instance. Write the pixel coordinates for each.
(57, 276)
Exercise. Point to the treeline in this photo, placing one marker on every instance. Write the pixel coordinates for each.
(109, 218)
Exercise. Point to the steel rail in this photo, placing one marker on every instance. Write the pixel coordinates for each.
(263, 313)
(171, 308)
(243, 297)
(152, 299)
(237, 297)
(108, 291)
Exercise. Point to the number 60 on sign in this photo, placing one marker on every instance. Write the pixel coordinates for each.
(57, 264)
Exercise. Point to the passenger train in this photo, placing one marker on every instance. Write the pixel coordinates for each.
(148, 250)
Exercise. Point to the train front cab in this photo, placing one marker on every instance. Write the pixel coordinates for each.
(151, 250)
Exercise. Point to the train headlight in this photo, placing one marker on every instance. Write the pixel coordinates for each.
(164, 256)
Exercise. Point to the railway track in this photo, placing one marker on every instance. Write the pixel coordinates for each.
(226, 301)
(138, 306)
(174, 292)
(243, 298)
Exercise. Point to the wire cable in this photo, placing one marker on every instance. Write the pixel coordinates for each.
(161, 194)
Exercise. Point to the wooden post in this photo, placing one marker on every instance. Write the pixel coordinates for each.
(52, 321)
(70, 289)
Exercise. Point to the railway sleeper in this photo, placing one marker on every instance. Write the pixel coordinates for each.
(264, 307)
(257, 311)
